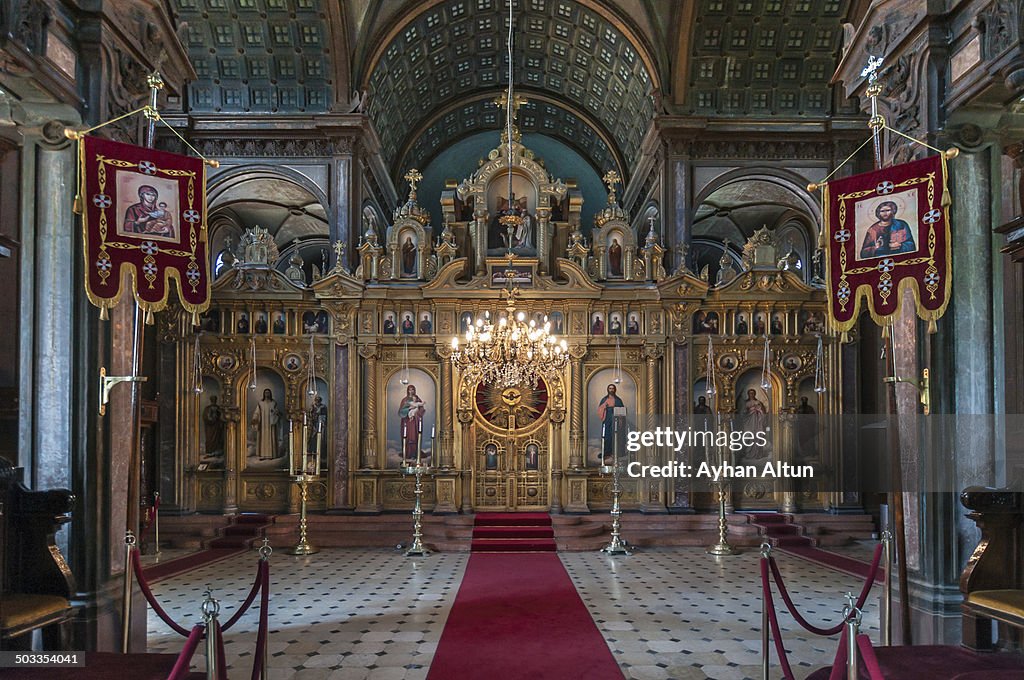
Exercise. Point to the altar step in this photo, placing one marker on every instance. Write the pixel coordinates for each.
(513, 532)
(243, 532)
(789, 530)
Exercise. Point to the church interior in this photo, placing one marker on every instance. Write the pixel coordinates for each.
(460, 257)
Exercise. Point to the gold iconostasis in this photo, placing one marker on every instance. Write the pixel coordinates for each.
(358, 364)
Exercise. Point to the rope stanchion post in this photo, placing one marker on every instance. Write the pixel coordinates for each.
(126, 593)
(766, 553)
(852, 617)
(265, 552)
(887, 588)
(156, 521)
(211, 607)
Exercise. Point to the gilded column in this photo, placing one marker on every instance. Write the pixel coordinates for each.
(480, 243)
(576, 353)
(653, 499)
(544, 239)
(787, 444)
(447, 452)
(368, 452)
(232, 416)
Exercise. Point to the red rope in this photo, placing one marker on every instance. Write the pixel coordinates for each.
(256, 587)
(867, 653)
(872, 577)
(222, 664)
(137, 566)
(773, 621)
(839, 663)
(181, 666)
(264, 627)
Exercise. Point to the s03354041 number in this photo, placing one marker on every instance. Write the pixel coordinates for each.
(41, 659)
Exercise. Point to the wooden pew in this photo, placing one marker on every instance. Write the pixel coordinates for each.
(993, 580)
(35, 581)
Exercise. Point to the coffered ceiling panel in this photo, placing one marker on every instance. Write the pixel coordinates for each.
(567, 51)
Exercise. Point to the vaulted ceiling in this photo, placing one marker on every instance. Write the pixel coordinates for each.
(595, 71)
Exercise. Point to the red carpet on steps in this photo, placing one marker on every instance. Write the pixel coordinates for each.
(238, 537)
(787, 538)
(513, 532)
(518, 617)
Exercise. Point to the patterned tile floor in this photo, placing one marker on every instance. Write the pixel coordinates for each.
(375, 615)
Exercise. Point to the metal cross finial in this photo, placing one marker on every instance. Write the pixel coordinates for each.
(871, 70)
(517, 101)
(611, 178)
(413, 177)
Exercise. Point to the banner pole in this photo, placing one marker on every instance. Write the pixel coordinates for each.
(877, 123)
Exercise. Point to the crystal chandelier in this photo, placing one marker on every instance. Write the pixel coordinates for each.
(512, 351)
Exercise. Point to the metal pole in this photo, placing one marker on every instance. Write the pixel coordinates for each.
(876, 123)
(126, 593)
(852, 617)
(887, 588)
(417, 549)
(766, 552)
(156, 520)
(211, 607)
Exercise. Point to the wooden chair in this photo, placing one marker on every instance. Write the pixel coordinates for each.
(35, 581)
(992, 580)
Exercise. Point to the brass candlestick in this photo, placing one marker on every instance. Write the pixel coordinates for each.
(617, 545)
(417, 548)
(304, 547)
(722, 547)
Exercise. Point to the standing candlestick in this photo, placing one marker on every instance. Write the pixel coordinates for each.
(291, 448)
(417, 549)
(617, 546)
(319, 440)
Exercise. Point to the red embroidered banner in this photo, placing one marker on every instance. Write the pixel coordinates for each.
(144, 211)
(888, 231)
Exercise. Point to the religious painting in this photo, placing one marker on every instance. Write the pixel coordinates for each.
(742, 326)
(778, 323)
(314, 322)
(728, 362)
(147, 205)
(522, 275)
(209, 321)
(597, 323)
(261, 325)
(212, 426)
(616, 254)
(523, 235)
(225, 362)
(278, 323)
(609, 389)
(807, 424)
(426, 323)
(515, 407)
(538, 319)
(317, 422)
(407, 324)
(408, 247)
(753, 406)
(615, 323)
(411, 407)
(292, 362)
(242, 322)
(531, 456)
(266, 423)
(490, 456)
(465, 322)
(557, 322)
(811, 322)
(633, 323)
(883, 225)
(705, 323)
(760, 326)
(792, 362)
(390, 325)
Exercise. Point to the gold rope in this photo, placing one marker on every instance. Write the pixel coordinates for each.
(952, 152)
(211, 162)
(814, 186)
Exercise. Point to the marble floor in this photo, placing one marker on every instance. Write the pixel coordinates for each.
(349, 614)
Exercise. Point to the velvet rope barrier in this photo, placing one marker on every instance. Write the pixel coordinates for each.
(773, 620)
(222, 665)
(264, 625)
(871, 579)
(258, 585)
(144, 585)
(184, 660)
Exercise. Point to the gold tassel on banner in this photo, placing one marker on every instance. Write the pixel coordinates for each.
(885, 332)
(844, 338)
(104, 314)
(933, 327)
(195, 318)
(150, 319)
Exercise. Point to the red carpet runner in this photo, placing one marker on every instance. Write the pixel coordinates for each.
(513, 532)
(787, 537)
(518, 616)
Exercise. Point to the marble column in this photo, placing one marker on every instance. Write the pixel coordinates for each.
(340, 490)
(972, 326)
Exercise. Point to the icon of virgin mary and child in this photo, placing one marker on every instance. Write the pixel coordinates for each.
(147, 216)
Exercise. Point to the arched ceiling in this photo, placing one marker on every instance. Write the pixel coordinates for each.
(566, 51)
(286, 210)
(738, 209)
